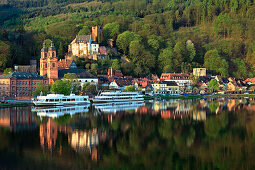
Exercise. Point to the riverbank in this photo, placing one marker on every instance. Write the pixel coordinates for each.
(217, 96)
(16, 104)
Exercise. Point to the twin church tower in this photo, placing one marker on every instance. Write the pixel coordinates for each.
(49, 63)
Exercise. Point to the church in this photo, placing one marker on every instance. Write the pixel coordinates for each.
(54, 69)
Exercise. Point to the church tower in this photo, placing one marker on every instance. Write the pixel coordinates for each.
(52, 64)
(43, 60)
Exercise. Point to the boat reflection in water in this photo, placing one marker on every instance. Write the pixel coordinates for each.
(117, 107)
(59, 111)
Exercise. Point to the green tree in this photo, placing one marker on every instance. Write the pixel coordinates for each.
(85, 31)
(91, 89)
(213, 85)
(41, 88)
(61, 87)
(70, 76)
(191, 51)
(4, 54)
(7, 71)
(94, 68)
(125, 38)
(111, 30)
(165, 60)
(115, 64)
(179, 54)
(241, 71)
(130, 88)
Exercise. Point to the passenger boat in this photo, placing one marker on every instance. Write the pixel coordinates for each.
(55, 112)
(60, 100)
(117, 96)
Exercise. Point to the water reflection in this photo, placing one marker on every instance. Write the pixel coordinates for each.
(17, 119)
(174, 134)
(55, 112)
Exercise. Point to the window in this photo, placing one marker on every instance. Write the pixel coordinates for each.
(53, 64)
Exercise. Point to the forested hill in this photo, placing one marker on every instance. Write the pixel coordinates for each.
(155, 35)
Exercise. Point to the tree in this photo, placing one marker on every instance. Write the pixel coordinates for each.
(61, 52)
(213, 61)
(94, 68)
(4, 54)
(111, 30)
(41, 88)
(130, 88)
(213, 85)
(191, 51)
(165, 60)
(70, 76)
(61, 87)
(241, 71)
(91, 89)
(115, 64)
(7, 71)
(179, 52)
(125, 38)
(84, 31)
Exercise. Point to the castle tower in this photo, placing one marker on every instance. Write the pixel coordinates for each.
(96, 30)
(52, 63)
(43, 60)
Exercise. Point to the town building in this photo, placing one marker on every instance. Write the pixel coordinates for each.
(182, 79)
(20, 85)
(83, 45)
(165, 87)
(198, 72)
(82, 76)
(32, 68)
(55, 69)
(49, 63)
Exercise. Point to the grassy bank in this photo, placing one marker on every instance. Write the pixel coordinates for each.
(18, 104)
(200, 96)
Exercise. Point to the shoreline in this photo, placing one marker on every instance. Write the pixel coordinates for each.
(17, 104)
(217, 96)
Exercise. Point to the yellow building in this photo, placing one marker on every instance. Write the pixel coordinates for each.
(165, 87)
(198, 72)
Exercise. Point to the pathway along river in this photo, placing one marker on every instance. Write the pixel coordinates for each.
(174, 134)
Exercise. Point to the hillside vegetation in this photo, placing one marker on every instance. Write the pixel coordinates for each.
(155, 35)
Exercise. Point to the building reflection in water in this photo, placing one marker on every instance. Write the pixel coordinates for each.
(79, 140)
(17, 118)
(48, 134)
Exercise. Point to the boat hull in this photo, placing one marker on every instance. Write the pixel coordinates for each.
(60, 103)
(118, 101)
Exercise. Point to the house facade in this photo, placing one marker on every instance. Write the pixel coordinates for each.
(83, 45)
(182, 79)
(165, 87)
(20, 84)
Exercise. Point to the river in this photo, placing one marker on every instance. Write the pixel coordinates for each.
(174, 134)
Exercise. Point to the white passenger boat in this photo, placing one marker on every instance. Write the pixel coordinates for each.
(117, 96)
(55, 112)
(60, 100)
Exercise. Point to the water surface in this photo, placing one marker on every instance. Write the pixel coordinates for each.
(174, 134)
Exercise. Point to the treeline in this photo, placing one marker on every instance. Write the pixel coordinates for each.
(154, 36)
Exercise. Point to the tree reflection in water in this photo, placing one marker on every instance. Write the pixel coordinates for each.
(175, 134)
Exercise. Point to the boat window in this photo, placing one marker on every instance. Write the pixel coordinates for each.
(56, 100)
(51, 100)
(85, 99)
(63, 100)
(68, 99)
(73, 99)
